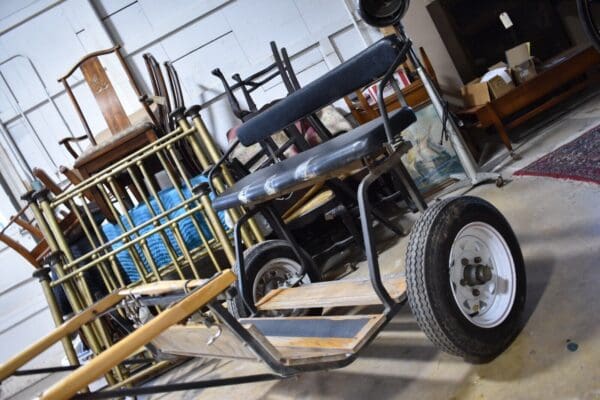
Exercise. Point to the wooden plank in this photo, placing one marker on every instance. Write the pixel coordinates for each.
(192, 340)
(105, 361)
(311, 342)
(331, 294)
(337, 341)
(293, 356)
(68, 327)
(156, 288)
(309, 205)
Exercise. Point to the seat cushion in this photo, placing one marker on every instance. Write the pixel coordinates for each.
(365, 67)
(317, 164)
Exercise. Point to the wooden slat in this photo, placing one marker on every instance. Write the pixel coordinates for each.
(336, 339)
(308, 205)
(19, 248)
(162, 287)
(67, 328)
(330, 294)
(112, 356)
(105, 95)
(293, 356)
(191, 340)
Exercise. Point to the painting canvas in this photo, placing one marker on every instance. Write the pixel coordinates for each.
(431, 160)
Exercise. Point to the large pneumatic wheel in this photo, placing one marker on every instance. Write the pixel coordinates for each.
(466, 278)
(270, 265)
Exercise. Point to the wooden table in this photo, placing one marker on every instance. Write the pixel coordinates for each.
(558, 79)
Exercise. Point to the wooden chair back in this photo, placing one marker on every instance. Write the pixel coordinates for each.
(103, 91)
(36, 254)
(175, 85)
(160, 92)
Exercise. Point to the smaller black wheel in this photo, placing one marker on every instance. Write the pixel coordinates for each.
(466, 278)
(269, 265)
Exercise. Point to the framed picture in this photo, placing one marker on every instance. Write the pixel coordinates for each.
(432, 159)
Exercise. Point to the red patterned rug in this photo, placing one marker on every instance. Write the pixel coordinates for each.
(577, 160)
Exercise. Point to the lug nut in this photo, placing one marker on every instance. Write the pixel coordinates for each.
(462, 282)
(477, 260)
(464, 262)
(476, 292)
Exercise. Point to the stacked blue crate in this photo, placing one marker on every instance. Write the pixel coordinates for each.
(170, 199)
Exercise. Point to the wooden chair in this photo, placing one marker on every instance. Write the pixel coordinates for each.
(36, 254)
(160, 92)
(125, 133)
(107, 99)
(166, 103)
(175, 86)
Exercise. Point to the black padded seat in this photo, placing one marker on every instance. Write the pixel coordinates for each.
(318, 163)
(360, 70)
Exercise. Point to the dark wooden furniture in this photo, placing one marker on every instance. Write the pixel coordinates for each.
(125, 133)
(560, 78)
(476, 38)
(114, 148)
(106, 97)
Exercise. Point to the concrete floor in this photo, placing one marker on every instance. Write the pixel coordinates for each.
(558, 225)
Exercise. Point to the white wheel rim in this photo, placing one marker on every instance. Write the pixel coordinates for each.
(275, 274)
(484, 289)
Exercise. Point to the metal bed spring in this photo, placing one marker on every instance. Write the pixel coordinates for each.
(172, 216)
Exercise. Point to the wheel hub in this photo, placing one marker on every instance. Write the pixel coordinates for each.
(278, 273)
(482, 275)
(477, 274)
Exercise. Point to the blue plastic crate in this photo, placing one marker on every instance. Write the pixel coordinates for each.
(157, 246)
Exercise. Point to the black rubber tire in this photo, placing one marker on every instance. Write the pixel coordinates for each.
(428, 280)
(254, 259)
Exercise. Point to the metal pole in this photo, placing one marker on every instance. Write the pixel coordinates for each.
(43, 276)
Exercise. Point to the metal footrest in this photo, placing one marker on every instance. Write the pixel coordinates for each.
(342, 293)
(291, 340)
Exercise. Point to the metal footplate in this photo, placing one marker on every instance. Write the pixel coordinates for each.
(292, 341)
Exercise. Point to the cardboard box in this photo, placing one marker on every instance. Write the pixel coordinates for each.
(518, 54)
(498, 87)
(521, 63)
(499, 81)
(475, 93)
(524, 72)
